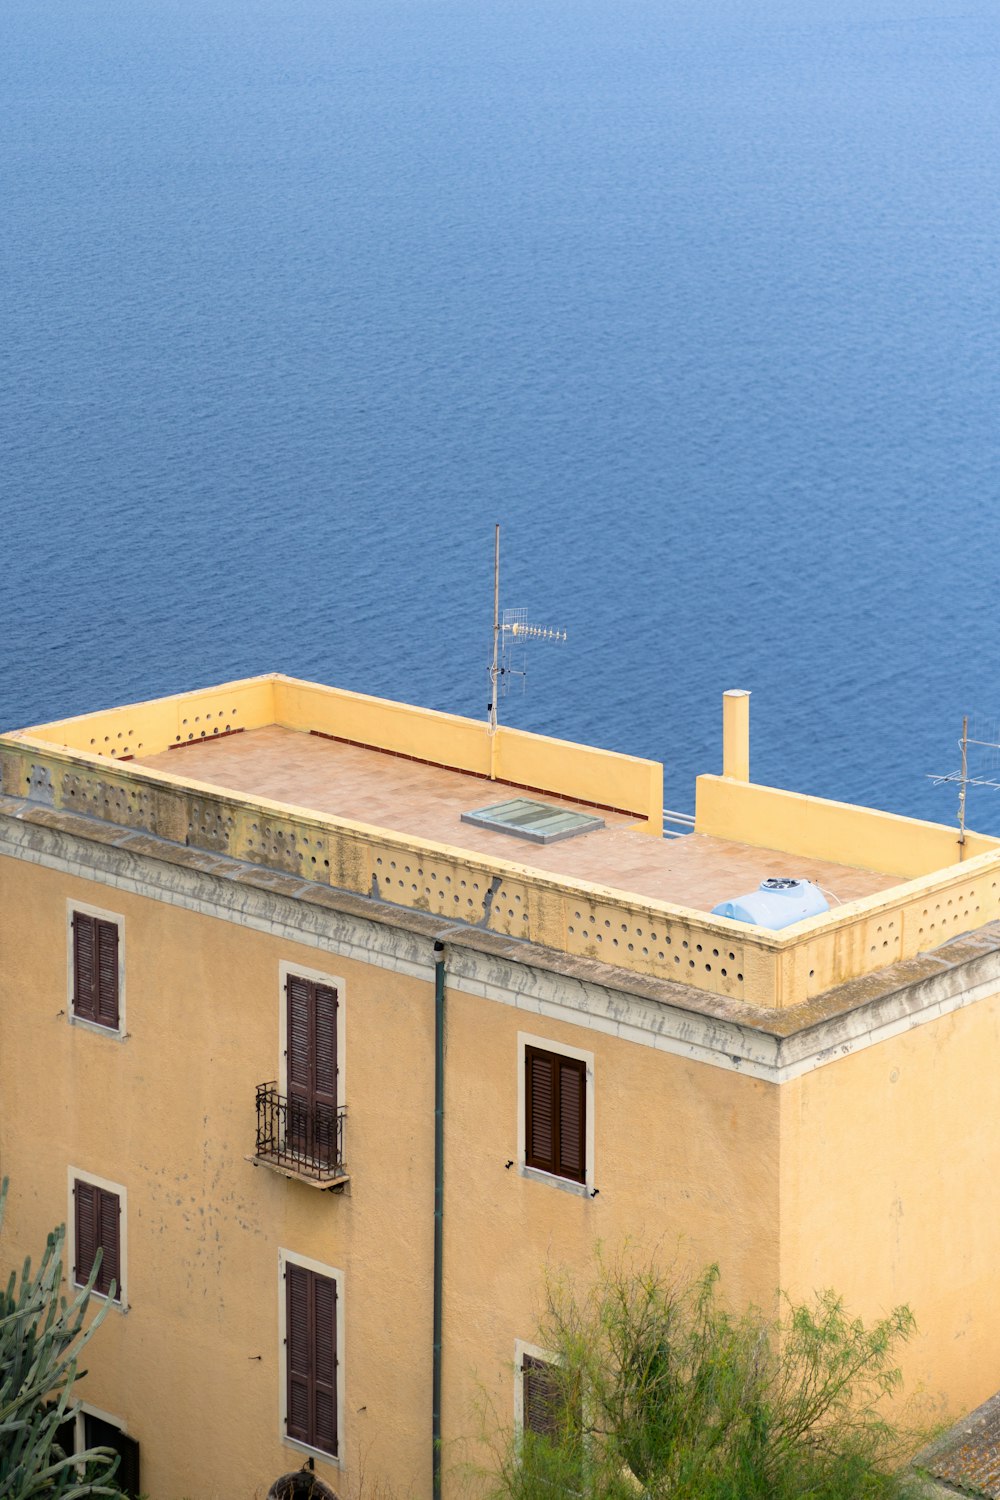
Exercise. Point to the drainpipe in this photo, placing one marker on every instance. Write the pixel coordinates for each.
(438, 1211)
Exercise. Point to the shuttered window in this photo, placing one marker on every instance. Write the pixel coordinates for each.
(311, 1057)
(312, 1040)
(311, 1357)
(97, 1223)
(555, 1094)
(541, 1397)
(85, 1431)
(97, 1433)
(95, 970)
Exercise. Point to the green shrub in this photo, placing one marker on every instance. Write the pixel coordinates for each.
(661, 1393)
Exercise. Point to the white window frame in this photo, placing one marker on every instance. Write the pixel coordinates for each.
(74, 1175)
(86, 1410)
(533, 1351)
(317, 977)
(106, 916)
(285, 1258)
(580, 1189)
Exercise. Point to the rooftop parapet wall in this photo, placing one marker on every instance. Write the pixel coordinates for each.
(814, 827)
(579, 773)
(575, 917)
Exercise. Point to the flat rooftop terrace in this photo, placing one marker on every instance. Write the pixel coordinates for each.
(427, 802)
(366, 796)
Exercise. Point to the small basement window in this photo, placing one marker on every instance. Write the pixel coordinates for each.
(538, 821)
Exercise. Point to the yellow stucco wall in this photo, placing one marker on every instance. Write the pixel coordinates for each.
(889, 1160)
(816, 827)
(683, 1152)
(685, 1161)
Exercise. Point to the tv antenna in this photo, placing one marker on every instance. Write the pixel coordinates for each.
(984, 742)
(512, 630)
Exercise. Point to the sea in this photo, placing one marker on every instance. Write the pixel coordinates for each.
(697, 299)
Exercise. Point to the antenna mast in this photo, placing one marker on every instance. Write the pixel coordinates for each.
(511, 633)
(495, 668)
(986, 744)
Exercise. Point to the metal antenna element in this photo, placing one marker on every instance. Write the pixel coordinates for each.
(511, 633)
(985, 745)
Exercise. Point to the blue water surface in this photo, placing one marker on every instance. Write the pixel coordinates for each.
(699, 298)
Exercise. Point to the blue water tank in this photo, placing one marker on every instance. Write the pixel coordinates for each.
(777, 902)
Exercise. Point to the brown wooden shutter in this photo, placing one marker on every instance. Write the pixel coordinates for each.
(109, 1239)
(299, 1052)
(101, 1434)
(556, 1113)
(107, 973)
(311, 1357)
(325, 1364)
(85, 1212)
(325, 1050)
(540, 1124)
(84, 966)
(297, 1351)
(572, 1118)
(541, 1397)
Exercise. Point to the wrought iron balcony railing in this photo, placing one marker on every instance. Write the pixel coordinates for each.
(299, 1136)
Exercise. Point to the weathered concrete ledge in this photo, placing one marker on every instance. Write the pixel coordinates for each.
(773, 1045)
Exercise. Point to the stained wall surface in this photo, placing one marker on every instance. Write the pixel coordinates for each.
(889, 1160)
(684, 1155)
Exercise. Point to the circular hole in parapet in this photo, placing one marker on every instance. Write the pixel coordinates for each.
(723, 973)
(740, 978)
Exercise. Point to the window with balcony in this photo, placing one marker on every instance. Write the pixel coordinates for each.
(301, 1115)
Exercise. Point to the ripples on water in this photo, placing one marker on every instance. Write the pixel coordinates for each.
(301, 297)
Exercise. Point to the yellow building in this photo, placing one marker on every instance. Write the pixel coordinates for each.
(272, 953)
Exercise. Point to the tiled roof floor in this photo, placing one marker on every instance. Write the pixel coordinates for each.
(408, 797)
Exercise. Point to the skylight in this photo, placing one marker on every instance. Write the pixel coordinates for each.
(538, 821)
